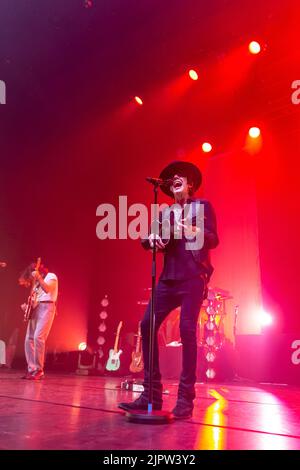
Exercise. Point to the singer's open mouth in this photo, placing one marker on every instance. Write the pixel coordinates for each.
(177, 183)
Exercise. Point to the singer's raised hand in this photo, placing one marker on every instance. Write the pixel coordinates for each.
(159, 243)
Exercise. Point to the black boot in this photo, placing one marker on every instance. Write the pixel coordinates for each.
(183, 409)
(141, 403)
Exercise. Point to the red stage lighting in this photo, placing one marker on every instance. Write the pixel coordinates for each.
(82, 346)
(254, 132)
(138, 100)
(254, 47)
(265, 318)
(193, 74)
(206, 147)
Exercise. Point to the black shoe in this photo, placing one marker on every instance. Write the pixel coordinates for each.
(183, 410)
(27, 376)
(37, 375)
(140, 403)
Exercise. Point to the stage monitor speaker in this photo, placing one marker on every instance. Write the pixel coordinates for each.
(170, 359)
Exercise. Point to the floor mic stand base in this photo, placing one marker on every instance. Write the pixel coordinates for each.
(152, 417)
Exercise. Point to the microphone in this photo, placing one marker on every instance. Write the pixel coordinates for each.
(159, 181)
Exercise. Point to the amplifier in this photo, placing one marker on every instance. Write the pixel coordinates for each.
(132, 385)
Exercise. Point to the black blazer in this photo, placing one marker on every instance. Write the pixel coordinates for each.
(211, 239)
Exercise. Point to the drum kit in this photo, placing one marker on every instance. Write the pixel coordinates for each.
(210, 323)
(211, 340)
(212, 318)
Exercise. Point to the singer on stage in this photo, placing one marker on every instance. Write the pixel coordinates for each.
(183, 281)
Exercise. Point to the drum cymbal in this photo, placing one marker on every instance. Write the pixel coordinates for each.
(218, 293)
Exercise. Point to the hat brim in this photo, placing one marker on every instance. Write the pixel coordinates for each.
(181, 168)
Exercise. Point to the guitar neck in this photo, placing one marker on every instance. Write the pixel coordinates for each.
(117, 338)
(34, 285)
(116, 343)
(138, 340)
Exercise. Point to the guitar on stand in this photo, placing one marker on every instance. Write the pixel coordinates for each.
(113, 362)
(137, 364)
(31, 302)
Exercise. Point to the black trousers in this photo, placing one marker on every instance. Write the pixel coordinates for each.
(169, 295)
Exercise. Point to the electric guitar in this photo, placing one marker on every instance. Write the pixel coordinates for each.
(113, 362)
(31, 302)
(137, 364)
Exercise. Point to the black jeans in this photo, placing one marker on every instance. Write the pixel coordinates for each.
(168, 295)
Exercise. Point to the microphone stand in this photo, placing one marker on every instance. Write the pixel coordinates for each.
(150, 416)
(236, 311)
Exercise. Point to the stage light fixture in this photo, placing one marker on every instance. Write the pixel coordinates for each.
(210, 325)
(102, 327)
(210, 356)
(138, 100)
(193, 74)
(206, 147)
(210, 340)
(105, 301)
(210, 310)
(88, 3)
(100, 340)
(82, 346)
(210, 373)
(100, 353)
(265, 318)
(254, 132)
(254, 47)
(103, 315)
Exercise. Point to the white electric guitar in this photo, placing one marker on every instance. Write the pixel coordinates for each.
(113, 362)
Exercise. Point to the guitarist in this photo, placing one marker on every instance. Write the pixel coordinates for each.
(44, 286)
(183, 282)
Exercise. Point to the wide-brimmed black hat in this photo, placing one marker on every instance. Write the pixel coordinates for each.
(181, 168)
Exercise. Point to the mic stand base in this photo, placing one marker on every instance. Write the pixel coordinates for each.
(146, 417)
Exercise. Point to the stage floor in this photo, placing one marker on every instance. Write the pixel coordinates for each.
(75, 412)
